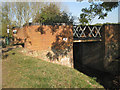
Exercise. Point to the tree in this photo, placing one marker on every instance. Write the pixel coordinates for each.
(51, 14)
(96, 9)
(48, 14)
(5, 18)
(18, 13)
(83, 20)
(24, 11)
(101, 10)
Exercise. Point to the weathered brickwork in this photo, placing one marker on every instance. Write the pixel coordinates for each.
(49, 41)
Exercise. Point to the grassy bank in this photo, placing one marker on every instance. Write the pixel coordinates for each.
(21, 71)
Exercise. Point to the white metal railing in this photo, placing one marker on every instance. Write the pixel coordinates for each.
(79, 31)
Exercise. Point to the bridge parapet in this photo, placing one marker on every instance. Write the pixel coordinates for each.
(87, 33)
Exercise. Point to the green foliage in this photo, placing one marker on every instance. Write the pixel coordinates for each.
(96, 9)
(48, 13)
(51, 14)
(83, 20)
(4, 30)
(6, 20)
(111, 23)
(98, 24)
(3, 44)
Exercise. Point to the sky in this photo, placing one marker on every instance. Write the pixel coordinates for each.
(71, 6)
(119, 13)
(75, 9)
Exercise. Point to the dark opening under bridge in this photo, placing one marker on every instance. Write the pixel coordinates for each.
(96, 46)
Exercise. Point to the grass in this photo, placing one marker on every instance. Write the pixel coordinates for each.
(21, 71)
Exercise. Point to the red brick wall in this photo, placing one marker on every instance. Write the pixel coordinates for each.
(41, 39)
(34, 40)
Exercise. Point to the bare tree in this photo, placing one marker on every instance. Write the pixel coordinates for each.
(20, 12)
